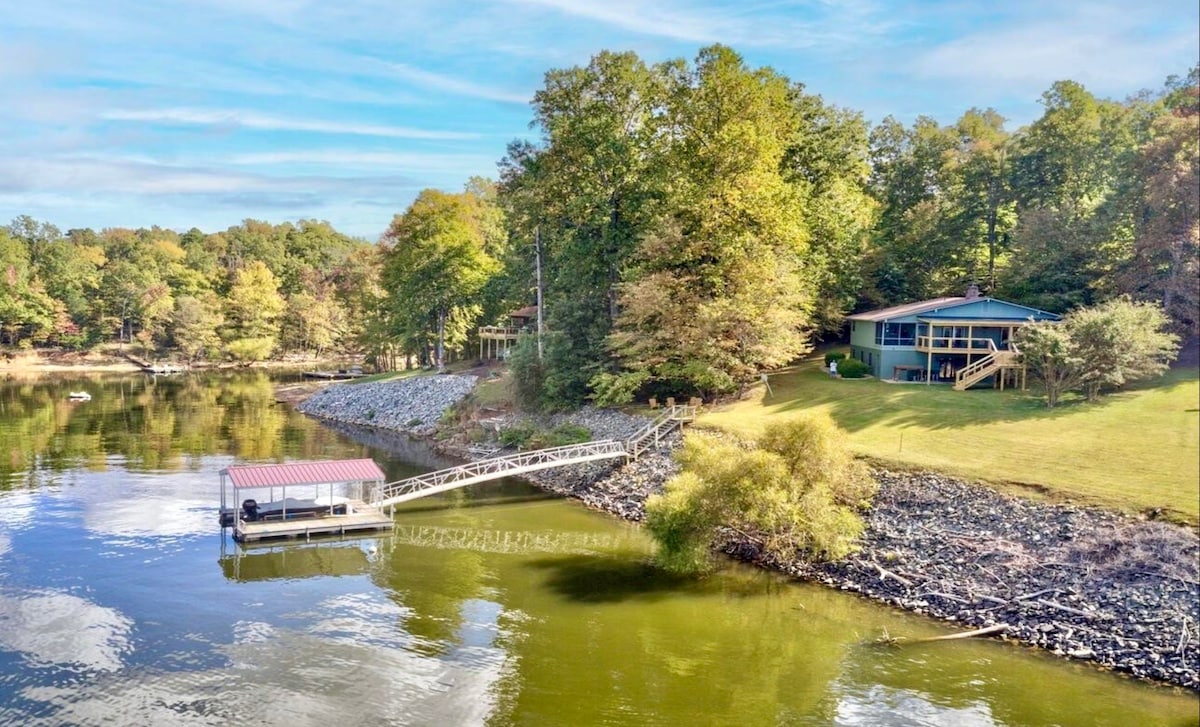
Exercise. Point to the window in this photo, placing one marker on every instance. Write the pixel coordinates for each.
(895, 334)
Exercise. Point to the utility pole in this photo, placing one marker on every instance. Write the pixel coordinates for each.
(537, 251)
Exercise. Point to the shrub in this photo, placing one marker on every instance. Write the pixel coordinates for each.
(561, 435)
(528, 373)
(616, 389)
(796, 492)
(516, 436)
(852, 368)
(834, 356)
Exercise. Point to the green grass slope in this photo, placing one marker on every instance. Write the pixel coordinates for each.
(1134, 450)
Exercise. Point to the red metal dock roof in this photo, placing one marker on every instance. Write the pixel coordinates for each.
(335, 471)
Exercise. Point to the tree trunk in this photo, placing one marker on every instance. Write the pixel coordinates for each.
(441, 340)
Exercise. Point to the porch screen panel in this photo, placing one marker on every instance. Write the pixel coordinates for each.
(895, 334)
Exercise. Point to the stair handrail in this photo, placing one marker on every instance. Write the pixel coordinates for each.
(671, 417)
(974, 367)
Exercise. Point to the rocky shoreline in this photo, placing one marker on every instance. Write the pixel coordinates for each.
(1082, 583)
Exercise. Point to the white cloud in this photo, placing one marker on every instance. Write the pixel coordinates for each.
(1109, 51)
(456, 86)
(251, 120)
(471, 163)
(744, 24)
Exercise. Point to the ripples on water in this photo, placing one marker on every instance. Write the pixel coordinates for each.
(122, 603)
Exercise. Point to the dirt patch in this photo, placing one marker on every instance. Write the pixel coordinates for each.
(296, 393)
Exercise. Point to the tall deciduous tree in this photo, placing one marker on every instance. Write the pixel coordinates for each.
(721, 290)
(827, 161)
(1067, 166)
(434, 270)
(1165, 264)
(587, 193)
(195, 326)
(253, 308)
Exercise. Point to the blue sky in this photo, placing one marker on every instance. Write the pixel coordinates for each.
(205, 112)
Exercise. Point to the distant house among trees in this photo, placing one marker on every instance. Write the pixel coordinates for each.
(964, 340)
(495, 341)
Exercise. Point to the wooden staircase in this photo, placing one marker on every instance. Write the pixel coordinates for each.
(993, 364)
(650, 435)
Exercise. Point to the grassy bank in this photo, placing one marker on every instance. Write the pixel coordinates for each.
(1135, 450)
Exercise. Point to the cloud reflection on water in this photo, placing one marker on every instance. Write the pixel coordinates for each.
(326, 673)
(55, 628)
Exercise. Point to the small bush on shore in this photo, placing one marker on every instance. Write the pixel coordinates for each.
(795, 491)
(516, 436)
(852, 368)
(832, 356)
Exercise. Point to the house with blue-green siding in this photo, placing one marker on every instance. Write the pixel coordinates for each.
(963, 340)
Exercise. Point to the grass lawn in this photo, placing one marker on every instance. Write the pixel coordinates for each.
(1133, 450)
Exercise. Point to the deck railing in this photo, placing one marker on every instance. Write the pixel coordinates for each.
(954, 343)
(499, 332)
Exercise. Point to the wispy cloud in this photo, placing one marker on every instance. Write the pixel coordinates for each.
(1039, 55)
(251, 120)
(456, 86)
(1112, 50)
(747, 24)
(349, 157)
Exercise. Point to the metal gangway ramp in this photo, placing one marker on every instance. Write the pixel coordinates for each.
(512, 465)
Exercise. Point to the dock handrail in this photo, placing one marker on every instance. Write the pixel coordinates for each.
(394, 493)
(492, 468)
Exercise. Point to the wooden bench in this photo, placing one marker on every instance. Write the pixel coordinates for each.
(906, 368)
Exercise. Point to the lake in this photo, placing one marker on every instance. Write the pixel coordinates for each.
(123, 602)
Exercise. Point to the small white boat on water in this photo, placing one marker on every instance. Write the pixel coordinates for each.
(79, 396)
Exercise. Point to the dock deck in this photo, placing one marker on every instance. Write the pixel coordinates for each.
(361, 517)
(339, 375)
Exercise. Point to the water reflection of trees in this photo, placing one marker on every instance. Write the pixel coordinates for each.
(152, 423)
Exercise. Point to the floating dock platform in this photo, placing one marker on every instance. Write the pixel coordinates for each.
(288, 517)
(339, 375)
(358, 516)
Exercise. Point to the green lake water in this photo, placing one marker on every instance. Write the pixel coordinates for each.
(123, 603)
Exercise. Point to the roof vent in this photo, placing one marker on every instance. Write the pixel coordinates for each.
(972, 291)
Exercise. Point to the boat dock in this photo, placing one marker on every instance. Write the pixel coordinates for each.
(339, 375)
(332, 499)
(163, 369)
(357, 517)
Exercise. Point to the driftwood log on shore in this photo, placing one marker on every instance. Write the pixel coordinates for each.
(889, 640)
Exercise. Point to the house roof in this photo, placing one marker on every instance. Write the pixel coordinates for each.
(528, 311)
(942, 310)
(332, 472)
(908, 309)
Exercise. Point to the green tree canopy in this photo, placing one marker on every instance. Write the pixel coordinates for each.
(434, 270)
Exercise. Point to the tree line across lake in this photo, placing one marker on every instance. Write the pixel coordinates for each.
(696, 223)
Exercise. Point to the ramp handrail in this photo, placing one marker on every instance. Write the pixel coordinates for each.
(393, 493)
(493, 468)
